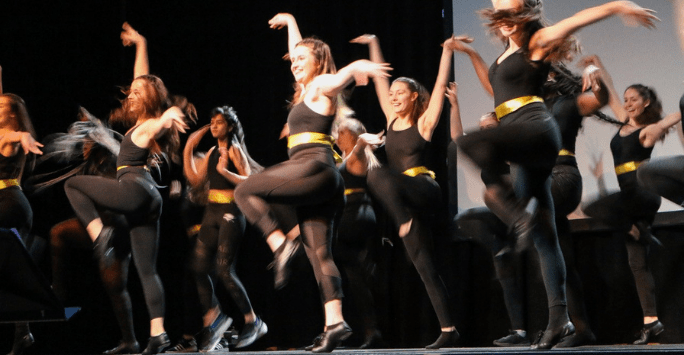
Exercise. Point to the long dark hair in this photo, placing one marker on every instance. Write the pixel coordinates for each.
(654, 111)
(236, 133)
(422, 101)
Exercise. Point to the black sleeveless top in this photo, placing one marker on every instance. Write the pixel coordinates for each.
(302, 119)
(626, 149)
(351, 181)
(564, 109)
(130, 154)
(405, 149)
(10, 167)
(517, 76)
(216, 180)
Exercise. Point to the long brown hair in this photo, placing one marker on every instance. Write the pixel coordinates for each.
(18, 107)
(324, 59)
(531, 19)
(422, 101)
(654, 111)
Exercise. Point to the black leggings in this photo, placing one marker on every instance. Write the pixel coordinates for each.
(223, 227)
(135, 196)
(15, 211)
(408, 198)
(531, 145)
(664, 176)
(310, 182)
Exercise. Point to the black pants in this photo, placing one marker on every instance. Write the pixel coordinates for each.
(664, 176)
(15, 211)
(223, 227)
(408, 198)
(135, 196)
(310, 182)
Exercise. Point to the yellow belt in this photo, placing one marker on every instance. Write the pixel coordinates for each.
(8, 182)
(627, 167)
(221, 196)
(313, 137)
(132, 166)
(565, 152)
(418, 171)
(194, 229)
(514, 104)
(354, 191)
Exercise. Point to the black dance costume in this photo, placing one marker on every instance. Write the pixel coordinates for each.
(309, 181)
(15, 210)
(632, 205)
(133, 194)
(527, 137)
(408, 193)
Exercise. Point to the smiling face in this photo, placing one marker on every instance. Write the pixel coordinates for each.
(402, 98)
(634, 104)
(511, 5)
(137, 96)
(7, 115)
(304, 64)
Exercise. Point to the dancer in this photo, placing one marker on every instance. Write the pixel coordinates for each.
(354, 247)
(309, 180)
(406, 188)
(156, 124)
(17, 141)
(527, 136)
(633, 208)
(224, 167)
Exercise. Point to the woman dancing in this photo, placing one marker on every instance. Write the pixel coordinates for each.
(155, 128)
(527, 136)
(406, 188)
(309, 180)
(633, 208)
(223, 226)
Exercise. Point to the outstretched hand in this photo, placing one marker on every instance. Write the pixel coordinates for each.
(452, 93)
(280, 20)
(364, 39)
(130, 36)
(173, 118)
(634, 15)
(29, 144)
(365, 69)
(458, 43)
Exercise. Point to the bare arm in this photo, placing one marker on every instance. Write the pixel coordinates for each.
(679, 20)
(129, 37)
(239, 159)
(589, 102)
(543, 41)
(357, 162)
(332, 84)
(653, 132)
(196, 174)
(481, 68)
(12, 140)
(1, 81)
(154, 128)
(382, 84)
(455, 123)
(293, 35)
(614, 100)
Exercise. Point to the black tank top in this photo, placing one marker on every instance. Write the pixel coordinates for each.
(130, 154)
(564, 110)
(404, 148)
(517, 76)
(216, 180)
(10, 167)
(626, 149)
(302, 119)
(351, 181)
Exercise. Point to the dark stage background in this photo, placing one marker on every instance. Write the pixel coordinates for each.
(62, 55)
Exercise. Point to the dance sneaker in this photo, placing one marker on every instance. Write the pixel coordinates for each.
(333, 337)
(124, 348)
(104, 248)
(211, 335)
(548, 338)
(222, 346)
(21, 343)
(157, 344)
(281, 261)
(184, 346)
(446, 339)
(251, 332)
(649, 332)
(513, 339)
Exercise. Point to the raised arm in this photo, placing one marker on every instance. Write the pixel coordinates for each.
(455, 123)
(614, 100)
(461, 44)
(149, 130)
(196, 174)
(287, 20)
(358, 160)
(544, 40)
(332, 84)
(588, 102)
(653, 132)
(382, 84)
(130, 37)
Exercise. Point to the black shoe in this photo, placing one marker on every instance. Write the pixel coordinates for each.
(513, 339)
(211, 335)
(251, 332)
(21, 343)
(372, 340)
(103, 247)
(333, 337)
(548, 338)
(281, 260)
(522, 227)
(157, 344)
(124, 348)
(645, 235)
(184, 346)
(577, 339)
(446, 339)
(650, 332)
(316, 342)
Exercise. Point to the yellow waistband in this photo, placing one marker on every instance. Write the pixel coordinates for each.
(221, 196)
(419, 170)
(565, 152)
(313, 137)
(8, 182)
(627, 167)
(132, 166)
(194, 229)
(514, 104)
(354, 191)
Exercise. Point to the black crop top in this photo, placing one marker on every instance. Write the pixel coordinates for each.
(626, 149)
(130, 154)
(564, 109)
(303, 119)
(216, 180)
(404, 148)
(517, 76)
(10, 167)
